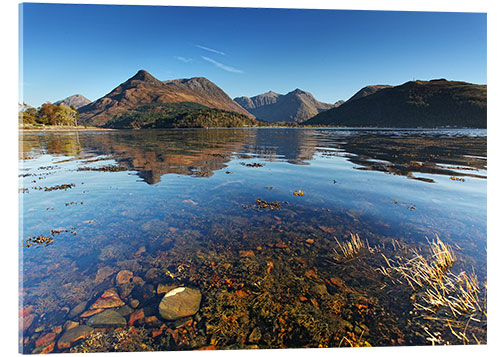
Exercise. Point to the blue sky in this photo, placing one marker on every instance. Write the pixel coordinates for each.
(90, 49)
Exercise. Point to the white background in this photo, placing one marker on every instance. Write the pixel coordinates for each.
(9, 197)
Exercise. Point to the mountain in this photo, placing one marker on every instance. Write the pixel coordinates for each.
(363, 92)
(76, 101)
(258, 101)
(214, 96)
(144, 89)
(296, 106)
(413, 104)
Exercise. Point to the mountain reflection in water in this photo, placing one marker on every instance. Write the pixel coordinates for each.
(155, 153)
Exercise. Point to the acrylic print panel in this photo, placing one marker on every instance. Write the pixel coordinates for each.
(197, 178)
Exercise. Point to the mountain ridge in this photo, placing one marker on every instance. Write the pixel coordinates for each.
(433, 103)
(294, 107)
(143, 89)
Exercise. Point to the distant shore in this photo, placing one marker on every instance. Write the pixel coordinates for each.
(31, 128)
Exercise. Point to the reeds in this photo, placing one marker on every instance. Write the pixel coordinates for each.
(440, 294)
(350, 248)
(420, 271)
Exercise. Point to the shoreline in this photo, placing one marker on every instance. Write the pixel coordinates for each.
(82, 128)
(62, 128)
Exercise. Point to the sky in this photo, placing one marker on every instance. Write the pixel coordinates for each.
(91, 49)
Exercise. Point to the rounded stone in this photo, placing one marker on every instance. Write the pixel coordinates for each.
(180, 302)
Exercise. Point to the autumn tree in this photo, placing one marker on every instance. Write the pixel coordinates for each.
(49, 114)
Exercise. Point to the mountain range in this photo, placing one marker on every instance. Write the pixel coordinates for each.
(413, 104)
(143, 101)
(144, 89)
(294, 107)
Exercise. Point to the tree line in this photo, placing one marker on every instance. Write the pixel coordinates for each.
(48, 114)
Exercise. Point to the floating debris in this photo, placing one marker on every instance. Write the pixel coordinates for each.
(298, 193)
(454, 178)
(73, 203)
(23, 190)
(265, 205)
(38, 240)
(270, 206)
(110, 168)
(56, 187)
(255, 164)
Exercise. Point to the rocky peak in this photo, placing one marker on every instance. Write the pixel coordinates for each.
(297, 92)
(144, 76)
(76, 101)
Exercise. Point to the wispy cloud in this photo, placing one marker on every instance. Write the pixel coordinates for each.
(184, 59)
(211, 50)
(222, 66)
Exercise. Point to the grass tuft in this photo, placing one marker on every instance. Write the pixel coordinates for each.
(440, 294)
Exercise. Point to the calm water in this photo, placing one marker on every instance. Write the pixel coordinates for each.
(178, 207)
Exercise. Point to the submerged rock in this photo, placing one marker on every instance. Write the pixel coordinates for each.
(108, 318)
(73, 335)
(45, 339)
(68, 325)
(180, 302)
(163, 288)
(103, 273)
(107, 300)
(78, 309)
(153, 274)
(136, 315)
(125, 310)
(44, 349)
(124, 276)
(89, 313)
(134, 303)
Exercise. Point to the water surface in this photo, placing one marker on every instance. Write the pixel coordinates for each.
(178, 207)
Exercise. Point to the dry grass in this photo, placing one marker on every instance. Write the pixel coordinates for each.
(350, 248)
(440, 294)
(420, 271)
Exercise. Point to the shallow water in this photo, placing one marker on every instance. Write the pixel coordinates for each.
(178, 207)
